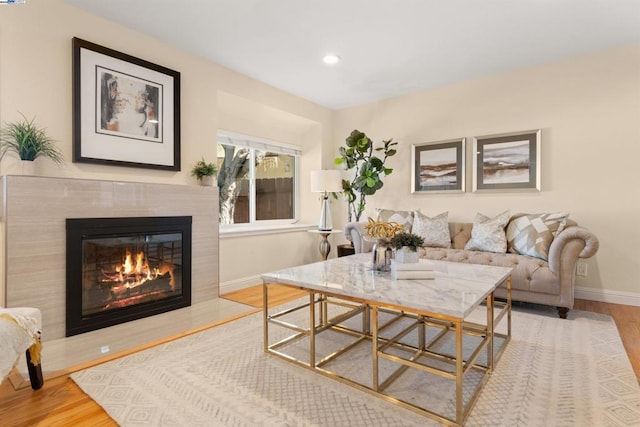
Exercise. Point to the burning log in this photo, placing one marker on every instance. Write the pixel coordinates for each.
(133, 274)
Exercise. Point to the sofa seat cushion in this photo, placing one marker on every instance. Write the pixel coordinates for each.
(529, 274)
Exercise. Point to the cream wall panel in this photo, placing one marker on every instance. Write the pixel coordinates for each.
(35, 79)
(256, 255)
(588, 108)
(35, 234)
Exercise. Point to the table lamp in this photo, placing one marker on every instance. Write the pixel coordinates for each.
(325, 182)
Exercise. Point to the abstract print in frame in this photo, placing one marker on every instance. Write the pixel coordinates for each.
(438, 166)
(507, 161)
(126, 111)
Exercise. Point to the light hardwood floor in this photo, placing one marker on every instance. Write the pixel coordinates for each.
(61, 403)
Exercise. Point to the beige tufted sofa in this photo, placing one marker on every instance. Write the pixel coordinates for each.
(533, 280)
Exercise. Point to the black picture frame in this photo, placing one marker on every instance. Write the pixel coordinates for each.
(126, 111)
(438, 167)
(507, 161)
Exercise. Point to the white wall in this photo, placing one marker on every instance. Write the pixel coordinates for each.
(36, 79)
(588, 108)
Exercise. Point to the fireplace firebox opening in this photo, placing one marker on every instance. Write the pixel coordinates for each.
(123, 269)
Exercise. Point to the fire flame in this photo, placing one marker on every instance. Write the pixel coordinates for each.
(132, 274)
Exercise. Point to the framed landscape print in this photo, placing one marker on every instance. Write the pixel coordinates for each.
(126, 111)
(507, 161)
(438, 166)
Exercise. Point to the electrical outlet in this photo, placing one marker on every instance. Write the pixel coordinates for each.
(104, 349)
(581, 269)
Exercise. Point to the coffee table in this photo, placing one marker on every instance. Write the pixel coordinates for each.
(429, 322)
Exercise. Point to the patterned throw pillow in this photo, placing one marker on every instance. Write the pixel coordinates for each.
(532, 234)
(404, 218)
(487, 233)
(434, 231)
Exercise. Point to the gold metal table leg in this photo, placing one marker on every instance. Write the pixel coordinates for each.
(265, 315)
(374, 343)
(490, 331)
(459, 373)
(312, 330)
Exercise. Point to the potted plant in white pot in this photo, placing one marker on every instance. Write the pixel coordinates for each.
(406, 246)
(204, 172)
(29, 142)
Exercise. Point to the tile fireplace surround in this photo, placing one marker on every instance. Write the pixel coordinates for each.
(32, 232)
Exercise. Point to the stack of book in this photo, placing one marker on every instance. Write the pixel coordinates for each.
(413, 270)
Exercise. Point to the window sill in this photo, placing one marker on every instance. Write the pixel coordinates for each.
(259, 230)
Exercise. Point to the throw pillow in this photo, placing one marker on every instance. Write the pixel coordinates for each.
(532, 234)
(487, 233)
(434, 231)
(404, 218)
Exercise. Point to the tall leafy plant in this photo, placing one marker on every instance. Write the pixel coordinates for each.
(359, 154)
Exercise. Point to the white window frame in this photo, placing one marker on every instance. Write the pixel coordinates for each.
(262, 144)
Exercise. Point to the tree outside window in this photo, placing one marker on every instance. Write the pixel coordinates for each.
(255, 184)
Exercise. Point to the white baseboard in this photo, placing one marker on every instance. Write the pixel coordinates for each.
(237, 284)
(615, 297)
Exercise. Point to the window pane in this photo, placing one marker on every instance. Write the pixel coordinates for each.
(233, 180)
(274, 186)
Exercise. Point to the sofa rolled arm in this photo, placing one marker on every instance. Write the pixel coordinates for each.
(354, 232)
(583, 244)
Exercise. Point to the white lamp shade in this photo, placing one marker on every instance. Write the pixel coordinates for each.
(329, 181)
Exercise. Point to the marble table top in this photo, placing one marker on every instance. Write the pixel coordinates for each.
(455, 291)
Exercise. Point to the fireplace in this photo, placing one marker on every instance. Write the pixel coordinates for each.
(122, 269)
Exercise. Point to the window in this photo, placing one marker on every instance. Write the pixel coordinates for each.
(257, 180)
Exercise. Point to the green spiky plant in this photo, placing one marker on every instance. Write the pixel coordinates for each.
(413, 241)
(28, 141)
(202, 169)
(369, 170)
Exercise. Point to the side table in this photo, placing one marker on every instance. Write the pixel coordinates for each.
(325, 246)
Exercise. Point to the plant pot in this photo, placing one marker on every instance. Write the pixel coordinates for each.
(25, 167)
(206, 181)
(406, 255)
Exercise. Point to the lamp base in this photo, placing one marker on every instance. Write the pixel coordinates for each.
(325, 223)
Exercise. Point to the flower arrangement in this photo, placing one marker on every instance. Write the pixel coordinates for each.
(382, 230)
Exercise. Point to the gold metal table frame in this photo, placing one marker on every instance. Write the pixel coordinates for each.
(318, 317)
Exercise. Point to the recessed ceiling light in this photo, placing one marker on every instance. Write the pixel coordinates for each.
(331, 59)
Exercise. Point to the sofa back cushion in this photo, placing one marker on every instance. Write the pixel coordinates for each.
(460, 234)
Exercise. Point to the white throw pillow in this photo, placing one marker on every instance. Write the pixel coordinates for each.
(488, 234)
(403, 218)
(532, 234)
(434, 231)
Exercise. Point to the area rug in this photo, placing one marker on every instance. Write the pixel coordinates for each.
(553, 373)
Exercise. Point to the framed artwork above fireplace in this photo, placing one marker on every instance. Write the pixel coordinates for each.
(126, 111)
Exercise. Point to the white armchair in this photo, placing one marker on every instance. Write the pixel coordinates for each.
(19, 333)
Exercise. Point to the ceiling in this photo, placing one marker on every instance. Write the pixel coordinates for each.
(388, 47)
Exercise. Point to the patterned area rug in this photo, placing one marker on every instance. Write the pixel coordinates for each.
(553, 373)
